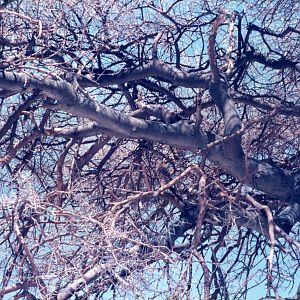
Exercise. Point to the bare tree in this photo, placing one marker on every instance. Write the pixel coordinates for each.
(149, 149)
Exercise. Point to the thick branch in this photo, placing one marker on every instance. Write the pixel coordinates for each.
(219, 93)
(262, 176)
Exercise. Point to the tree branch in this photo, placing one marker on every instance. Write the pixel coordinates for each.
(262, 176)
(155, 68)
(279, 64)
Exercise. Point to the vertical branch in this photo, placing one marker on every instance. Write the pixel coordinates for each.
(198, 108)
(154, 46)
(218, 90)
(271, 231)
(212, 55)
(205, 269)
(197, 233)
(60, 163)
(202, 210)
(229, 60)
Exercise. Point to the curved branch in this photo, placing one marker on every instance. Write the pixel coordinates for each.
(155, 68)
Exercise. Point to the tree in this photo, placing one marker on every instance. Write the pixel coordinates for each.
(149, 149)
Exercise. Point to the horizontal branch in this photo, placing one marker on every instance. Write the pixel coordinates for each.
(273, 33)
(280, 64)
